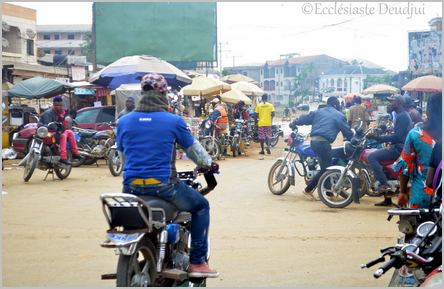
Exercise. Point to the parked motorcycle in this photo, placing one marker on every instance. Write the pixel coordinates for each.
(115, 161)
(93, 144)
(216, 146)
(44, 153)
(339, 186)
(276, 132)
(300, 159)
(152, 237)
(236, 137)
(419, 250)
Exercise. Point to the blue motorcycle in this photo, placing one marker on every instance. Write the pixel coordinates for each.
(300, 159)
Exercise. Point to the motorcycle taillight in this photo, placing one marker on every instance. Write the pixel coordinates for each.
(289, 140)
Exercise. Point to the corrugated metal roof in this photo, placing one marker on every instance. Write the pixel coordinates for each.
(64, 28)
(300, 60)
(60, 43)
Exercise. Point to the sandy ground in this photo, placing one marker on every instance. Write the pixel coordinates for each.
(52, 230)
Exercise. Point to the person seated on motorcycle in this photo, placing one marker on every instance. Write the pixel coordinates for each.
(410, 107)
(415, 157)
(402, 126)
(358, 113)
(57, 115)
(240, 111)
(130, 104)
(219, 116)
(147, 138)
(326, 123)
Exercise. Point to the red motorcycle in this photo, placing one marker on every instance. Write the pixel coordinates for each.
(44, 153)
(339, 185)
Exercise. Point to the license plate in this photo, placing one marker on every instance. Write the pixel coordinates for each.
(118, 238)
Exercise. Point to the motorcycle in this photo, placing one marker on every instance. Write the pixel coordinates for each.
(236, 137)
(44, 153)
(339, 186)
(151, 237)
(93, 144)
(420, 251)
(216, 146)
(276, 132)
(300, 159)
(115, 160)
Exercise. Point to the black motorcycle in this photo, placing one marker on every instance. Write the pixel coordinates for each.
(276, 132)
(152, 237)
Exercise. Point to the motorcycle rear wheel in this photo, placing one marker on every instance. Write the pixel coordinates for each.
(63, 173)
(328, 196)
(115, 162)
(284, 178)
(211, 146)
(274, 141)
(31, 164)
(138, 269)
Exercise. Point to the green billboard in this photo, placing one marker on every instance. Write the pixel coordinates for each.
(173, 31)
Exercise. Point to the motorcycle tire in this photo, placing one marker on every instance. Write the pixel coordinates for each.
(336, 201)
(271, 178)
(274, 141)
(115, 162)
(31, 164)
(78, 162)
(63, 173)
(234, 147)
(213, 151)
(144, 260)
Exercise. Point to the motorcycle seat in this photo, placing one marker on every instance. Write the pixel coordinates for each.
(87, 133)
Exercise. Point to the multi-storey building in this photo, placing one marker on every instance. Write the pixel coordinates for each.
(62, 39)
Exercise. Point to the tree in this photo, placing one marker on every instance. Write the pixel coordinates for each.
(377, 79)
(87, 48)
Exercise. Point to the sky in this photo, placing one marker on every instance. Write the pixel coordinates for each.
(253, 32)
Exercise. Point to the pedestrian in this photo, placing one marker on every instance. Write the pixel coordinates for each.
(416, 157)
(130, 104)
(358, 113)
(326, 123)
(265, 113)
(148, 137)
(402, 126)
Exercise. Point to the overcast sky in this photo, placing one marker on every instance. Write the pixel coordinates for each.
(256, 32)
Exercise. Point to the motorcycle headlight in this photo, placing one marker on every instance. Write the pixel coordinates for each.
(42, 132)
(208, 124)
(348, 149)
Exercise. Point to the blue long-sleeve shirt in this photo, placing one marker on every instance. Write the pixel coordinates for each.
(326, 122)
(403, 124)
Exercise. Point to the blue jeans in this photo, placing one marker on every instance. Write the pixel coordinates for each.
(185, 199)
(387, 154)
(323, 150)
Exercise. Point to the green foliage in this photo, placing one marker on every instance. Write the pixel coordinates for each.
(87, 48)
(377, 79)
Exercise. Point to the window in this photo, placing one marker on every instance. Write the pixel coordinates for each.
(272, 85)
(71, 36)
(87, 116)
(58, 51)
(107, 115)
(71, 51)
(266, 85)
(56, 36)
(46, 36)
(30, 46)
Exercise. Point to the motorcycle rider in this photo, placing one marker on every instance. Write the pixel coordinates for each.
(402, 125)
(326, 123)
(410, 107)
(57, 114)
(219, 115)
(147, 138)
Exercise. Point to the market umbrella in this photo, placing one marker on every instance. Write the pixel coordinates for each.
(248, 88)
(234, 96)
(428, 83)
(380, 88)
(131, 69)
(236, 78)
(349, 97)
(206, 87)
(38, 87)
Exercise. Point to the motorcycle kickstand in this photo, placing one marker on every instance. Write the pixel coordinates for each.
(50, 171)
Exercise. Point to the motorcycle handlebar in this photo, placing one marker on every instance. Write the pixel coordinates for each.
(384, 268)
(372, 263)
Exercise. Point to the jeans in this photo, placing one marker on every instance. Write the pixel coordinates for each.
(185, 199)
(374, 159)
(67, 135)
(323, 150)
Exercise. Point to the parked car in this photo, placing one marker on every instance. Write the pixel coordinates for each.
(97, 118)
(303, 106)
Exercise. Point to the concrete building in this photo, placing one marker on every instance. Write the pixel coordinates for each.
(288, 78)
(62, 39)
(19, 33)
(346, 79)
(252, 70)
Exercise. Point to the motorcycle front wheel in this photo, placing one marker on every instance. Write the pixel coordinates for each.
(335, 199)
(274, 141)
(211, 146)
(235, 147)
(31, 164)
(115, 162)
(138, 269)
(278, 178)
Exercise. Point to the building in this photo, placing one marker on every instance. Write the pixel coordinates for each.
(346, 79)
(425, 56)
(292, 77)
(19, 32)
(252, 70)
(62, 39)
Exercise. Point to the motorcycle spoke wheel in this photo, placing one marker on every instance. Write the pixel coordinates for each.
(278, 178)
(31, 164)
(335, 199)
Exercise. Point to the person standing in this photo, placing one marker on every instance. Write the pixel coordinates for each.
(326, 123)
(265, 114)
(358, 113)
(130, 104)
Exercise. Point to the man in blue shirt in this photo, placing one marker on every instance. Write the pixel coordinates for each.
(147, 137)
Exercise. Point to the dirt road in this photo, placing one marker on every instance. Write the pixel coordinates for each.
(52, 231)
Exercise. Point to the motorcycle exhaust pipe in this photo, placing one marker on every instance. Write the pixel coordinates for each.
(86, 154)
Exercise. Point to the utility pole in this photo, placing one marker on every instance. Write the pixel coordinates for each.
(220, 54)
